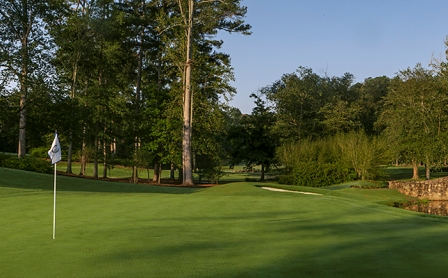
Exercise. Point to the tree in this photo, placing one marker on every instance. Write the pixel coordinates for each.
(371, 93)
(364, 153)
(200, 19)
(297, 99)
(25, 48)
(414, 117)
(253, 140)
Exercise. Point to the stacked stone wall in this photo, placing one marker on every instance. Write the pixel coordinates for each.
(435, 190)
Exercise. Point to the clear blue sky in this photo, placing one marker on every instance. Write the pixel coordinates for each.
(367, 38)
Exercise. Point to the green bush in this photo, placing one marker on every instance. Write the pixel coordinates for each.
(363, 153)
(313, 164)
(26, 163)
(40, 152)
(316, 174)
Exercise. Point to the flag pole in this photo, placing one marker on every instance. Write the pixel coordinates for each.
(55, 157)
(54, 204)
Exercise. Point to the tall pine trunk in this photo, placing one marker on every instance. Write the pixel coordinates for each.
(23, 95)
(104, 157)
(83, 153)
(137, 103)
(187, 127)
(262, 171)
(95, 158)
(69, 155)
(72, 96)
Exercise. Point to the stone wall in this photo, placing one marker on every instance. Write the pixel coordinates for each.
(436, 190)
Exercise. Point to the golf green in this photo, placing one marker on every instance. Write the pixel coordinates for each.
(107, 229)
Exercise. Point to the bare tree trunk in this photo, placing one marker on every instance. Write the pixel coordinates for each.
(23, 96)
(72, 96)
(23, 78)
(69, 155)
(427, 169)
(104, 159)
(160, 173)
(415, 175)
(187, 128)
(172, 171)
(137, 99)
(22, 126)
(155, 177)
(262, 172)
(83, 153)
(95, 159)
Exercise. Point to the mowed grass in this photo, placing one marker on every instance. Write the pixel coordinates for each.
(108, 229)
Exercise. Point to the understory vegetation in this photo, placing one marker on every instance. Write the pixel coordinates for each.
(334, 160)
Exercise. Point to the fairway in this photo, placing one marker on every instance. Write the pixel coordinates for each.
(108, 229)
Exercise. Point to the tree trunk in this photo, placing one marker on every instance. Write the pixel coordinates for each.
(262, 172)
(160, 173)
(23, 96)
(415, 175)
(95, 159)
(22, 125)
(172, 171)
(155, 177)
(72, 96)
(187, 128)
(83, 153)
(69, 155)
(104, 160)
(137, 101)
(427, 169)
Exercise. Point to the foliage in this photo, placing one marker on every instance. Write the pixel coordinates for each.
(313, 164)
(414, 117)
(252, 140)
(41, 152)
(208, 168)
(365, 154)
(27, 163)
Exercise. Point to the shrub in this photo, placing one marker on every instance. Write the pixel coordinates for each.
(26, 163)
(40, 152)
(363, 153)
(316, 174)
(313, 164)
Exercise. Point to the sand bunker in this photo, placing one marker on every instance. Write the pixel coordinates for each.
(284, 190)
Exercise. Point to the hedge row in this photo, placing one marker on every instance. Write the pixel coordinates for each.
(27, 163)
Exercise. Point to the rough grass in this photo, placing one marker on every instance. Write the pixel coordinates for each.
(233, 230)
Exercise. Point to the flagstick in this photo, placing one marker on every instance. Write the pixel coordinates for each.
(54, 204)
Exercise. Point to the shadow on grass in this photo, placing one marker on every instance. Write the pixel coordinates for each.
(349, 241)
(28, 180)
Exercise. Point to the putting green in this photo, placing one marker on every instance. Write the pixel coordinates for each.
(234, 230)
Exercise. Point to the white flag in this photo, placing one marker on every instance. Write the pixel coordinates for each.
(55, 150)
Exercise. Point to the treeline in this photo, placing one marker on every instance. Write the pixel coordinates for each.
(321, 129)
(143, 83)
(331, 130)
(134, 80)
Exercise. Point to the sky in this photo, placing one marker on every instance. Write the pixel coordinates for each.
(367, 38)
